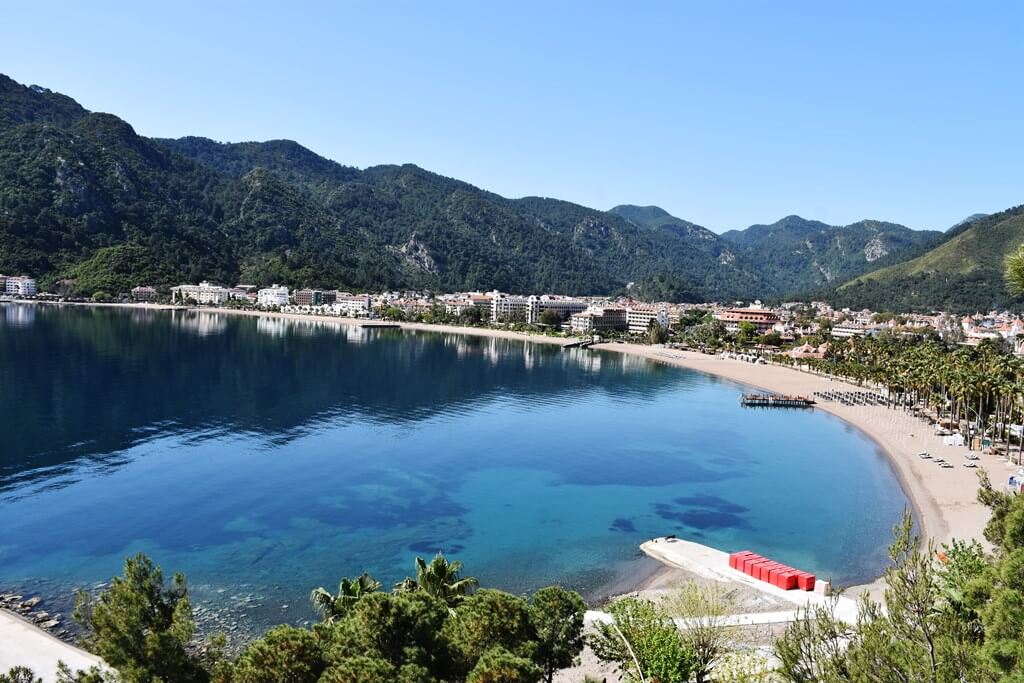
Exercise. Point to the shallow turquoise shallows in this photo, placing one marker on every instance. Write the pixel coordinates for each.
(265, 457)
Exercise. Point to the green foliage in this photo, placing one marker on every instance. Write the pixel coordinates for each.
(440, 578)
(795, 254)
(285, 654)
(141, 626)
(1014, 266)
(498, 665)
(550, 318)
(19, 674)
(641, 636)
(557, 619)
(333, 607)
(489, 619)
(965, 273)
(398, 628)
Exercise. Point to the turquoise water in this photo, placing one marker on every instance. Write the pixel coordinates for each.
(264, 458)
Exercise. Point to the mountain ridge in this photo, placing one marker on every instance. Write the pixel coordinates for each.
(87, 204)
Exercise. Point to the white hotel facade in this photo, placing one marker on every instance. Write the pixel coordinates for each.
(276, 295)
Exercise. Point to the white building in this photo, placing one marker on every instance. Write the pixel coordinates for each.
(598, 320)
(203, 293)
(20, 285)
(509, 308)
(564, 306)
(846, 330)
(352, 306)
(276, 295)
(638, 318)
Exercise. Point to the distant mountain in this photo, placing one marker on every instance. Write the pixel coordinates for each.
(796, 254)
(963, 273)
(86, 204)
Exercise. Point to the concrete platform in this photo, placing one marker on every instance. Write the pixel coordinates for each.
(713, 564)
(22, 644)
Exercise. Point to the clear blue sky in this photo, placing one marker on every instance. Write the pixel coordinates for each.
(724, 113)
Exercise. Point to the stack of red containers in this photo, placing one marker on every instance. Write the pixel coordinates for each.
(775, 573)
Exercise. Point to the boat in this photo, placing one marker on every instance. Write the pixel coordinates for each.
(924, 454)
(970, 464)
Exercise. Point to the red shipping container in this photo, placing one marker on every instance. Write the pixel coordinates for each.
(736, 559)
(774, 571)
(747, 563)
(805, 581)
(761, 570)
(787, 580)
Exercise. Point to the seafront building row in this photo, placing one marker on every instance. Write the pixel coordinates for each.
(583, 315)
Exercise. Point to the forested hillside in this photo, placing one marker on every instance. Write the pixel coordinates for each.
(797, 254)
(964, 273)
(87, 205)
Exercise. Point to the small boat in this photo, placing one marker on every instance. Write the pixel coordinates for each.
(972, 465)
(970, 456)
(946, 465)
(924, 454)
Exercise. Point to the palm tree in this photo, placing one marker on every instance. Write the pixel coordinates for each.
(1015, 272)
(440, 578)
(334, 607)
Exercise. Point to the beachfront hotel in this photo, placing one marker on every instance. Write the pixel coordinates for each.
(639, 318)
(204, 293)
(761, 318)
(597, 319)
(19, 285)
(275, 295)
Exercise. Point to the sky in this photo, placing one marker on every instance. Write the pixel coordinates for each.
(723, 113)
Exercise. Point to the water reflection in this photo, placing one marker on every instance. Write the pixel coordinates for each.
(90, 382)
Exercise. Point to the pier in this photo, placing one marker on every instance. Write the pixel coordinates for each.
(775, 401)
(380, 326)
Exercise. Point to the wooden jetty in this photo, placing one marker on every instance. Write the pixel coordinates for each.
(775, 401)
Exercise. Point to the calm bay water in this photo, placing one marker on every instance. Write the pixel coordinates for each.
(265, 457)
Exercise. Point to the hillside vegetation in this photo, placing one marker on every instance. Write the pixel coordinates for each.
(87, 204)
(797, 254)
(963, 273)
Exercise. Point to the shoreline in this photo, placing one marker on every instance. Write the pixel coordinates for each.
(944, 502)
(944, 509)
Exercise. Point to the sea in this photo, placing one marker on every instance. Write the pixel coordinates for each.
(264, 457)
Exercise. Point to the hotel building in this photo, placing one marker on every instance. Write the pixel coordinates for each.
(276, 295)
(203, 293)
(595, 320)
(19, 285)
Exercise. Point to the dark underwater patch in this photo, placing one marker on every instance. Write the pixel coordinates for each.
(624, 525)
